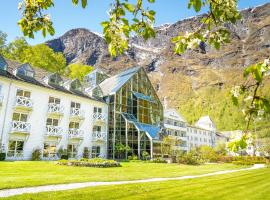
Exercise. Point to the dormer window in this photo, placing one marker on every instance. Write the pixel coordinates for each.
(76, 85)
(3, 63)
(25, 70)
(55, 79)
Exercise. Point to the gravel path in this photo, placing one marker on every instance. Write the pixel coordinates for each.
(61, 187)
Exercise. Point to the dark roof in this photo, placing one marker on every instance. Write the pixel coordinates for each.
(38, 79)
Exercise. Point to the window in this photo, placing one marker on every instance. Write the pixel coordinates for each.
(95, 151)
(72, 150)
(97, 110)
(75, 105)
(49, 150)
(15, 149)
(54, 100)
(97, 129)
(74, 125)
(23, 93)
(19, 117)
(76, 85)
(25, 70)
(3, 63)
(55, 79)
(52, 122)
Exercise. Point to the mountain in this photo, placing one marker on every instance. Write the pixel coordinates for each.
(196, 82)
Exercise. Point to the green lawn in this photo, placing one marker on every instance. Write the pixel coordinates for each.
(27, 173)
(245, 185)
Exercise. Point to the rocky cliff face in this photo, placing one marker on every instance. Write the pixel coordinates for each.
(178, 77)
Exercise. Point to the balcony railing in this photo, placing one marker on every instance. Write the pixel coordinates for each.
(25, 102)
(77, 112)
(20, 127)
(99, 116)
(55, 108)
(75, 133)
(54, 131)
(98, 136)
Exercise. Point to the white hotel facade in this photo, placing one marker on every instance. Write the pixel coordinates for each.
(203, 132)
(42, 110)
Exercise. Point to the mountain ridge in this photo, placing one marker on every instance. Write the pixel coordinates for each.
(180, 79)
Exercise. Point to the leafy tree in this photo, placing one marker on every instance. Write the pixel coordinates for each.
(78, 70)
(121, 150)
(44, 57)
(256, 104)
(238, 144)
(168, 146)
(3, 39)
(15, 49)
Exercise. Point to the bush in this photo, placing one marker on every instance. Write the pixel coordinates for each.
(134, 157)
(64, 157)
(225, 159)
(145, 155)
(95, 162)
(85, 152)
(189, 159)
(62, 153)
(159, 160)
(2, 156)
(36, 155)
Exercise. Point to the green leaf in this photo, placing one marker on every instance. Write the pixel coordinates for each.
(84, 3)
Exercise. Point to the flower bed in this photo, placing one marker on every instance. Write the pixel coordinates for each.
(95, 162)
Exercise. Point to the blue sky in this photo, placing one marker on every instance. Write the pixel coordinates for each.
(65, 16)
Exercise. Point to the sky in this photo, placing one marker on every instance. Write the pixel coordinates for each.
(65, 16)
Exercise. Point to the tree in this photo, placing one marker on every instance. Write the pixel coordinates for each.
(168, 146)
(256, 104)
(3, 39)
(15, 49)
(78, 71)
(44, 57)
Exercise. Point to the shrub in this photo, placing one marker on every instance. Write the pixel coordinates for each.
(62, 153)
(64, 157)
(159, 160)
(85, 152)
(95, 162)
(134, 157)
(189, 159)
(145, 155)
(2, 156)
(225, 159)
(36, 155)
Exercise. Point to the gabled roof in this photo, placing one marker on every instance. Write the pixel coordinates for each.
(112, 85)
(173, 114)
(206, 123)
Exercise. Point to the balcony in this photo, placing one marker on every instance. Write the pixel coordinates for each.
(53, 131)
(74, 133)
(1, 100)
(99, 136)
(20, 127)
(23, 103)
(76, 114)
(99, 117)
(55, 109)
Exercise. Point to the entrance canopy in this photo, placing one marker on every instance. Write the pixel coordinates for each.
(150, 129)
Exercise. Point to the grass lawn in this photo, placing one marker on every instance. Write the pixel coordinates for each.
(246, 185)
(29, 173)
